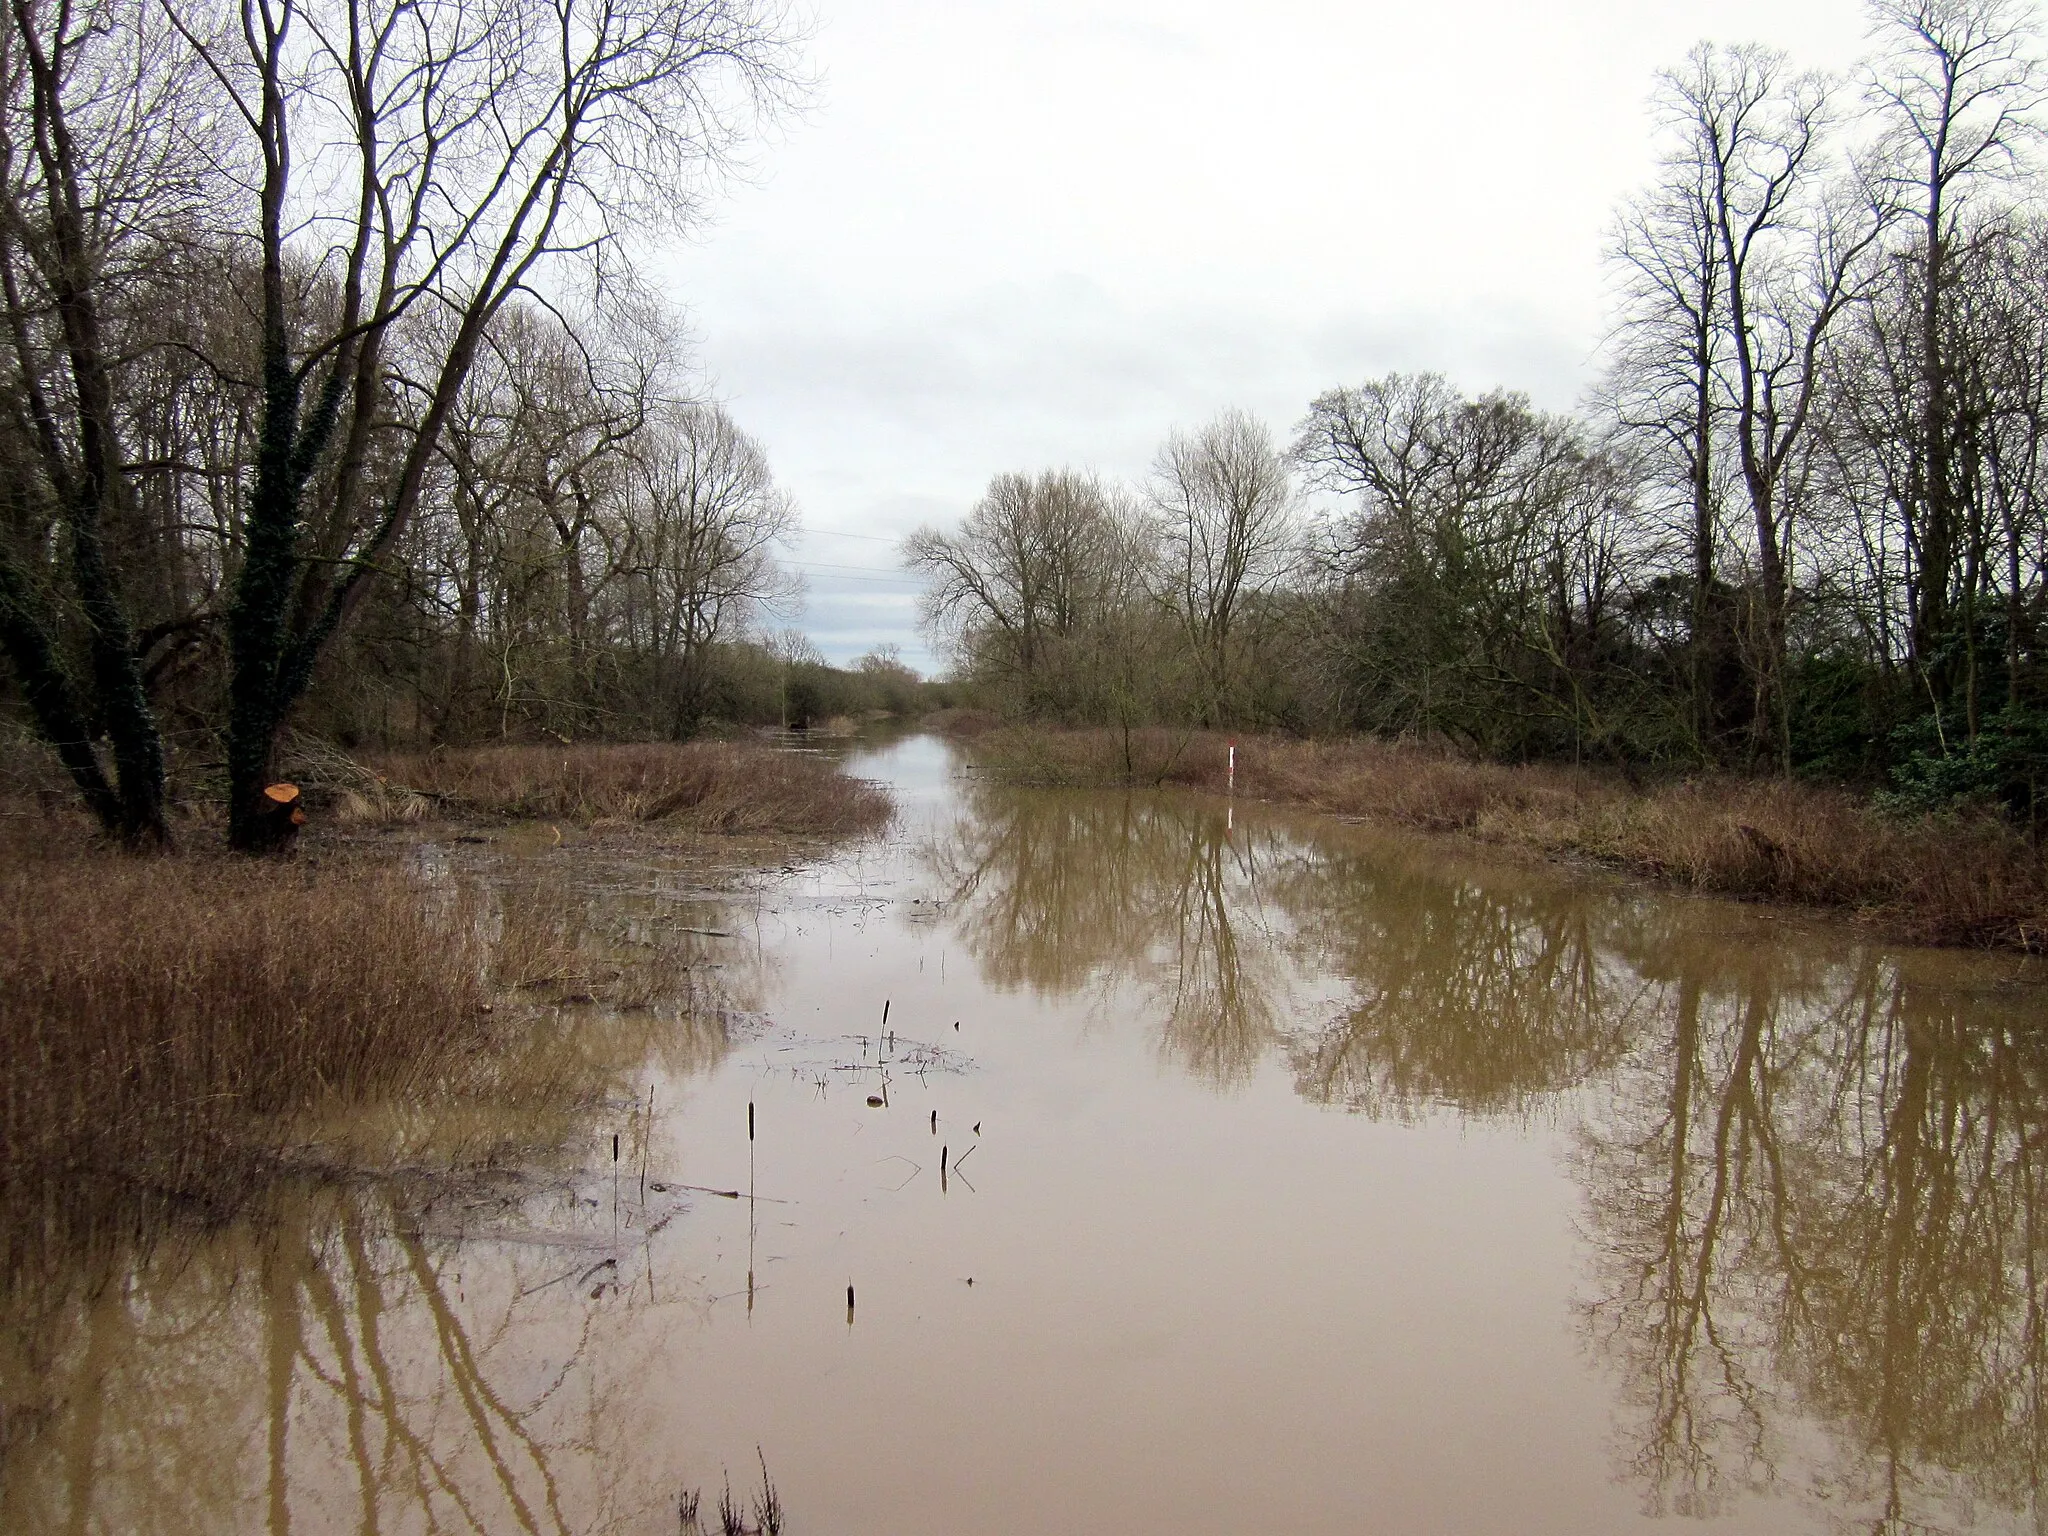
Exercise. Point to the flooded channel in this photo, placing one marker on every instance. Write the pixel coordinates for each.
(1132, 1163)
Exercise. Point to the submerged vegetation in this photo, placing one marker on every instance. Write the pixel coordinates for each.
(1966, 877)
(168, 1020)
(182, 1032)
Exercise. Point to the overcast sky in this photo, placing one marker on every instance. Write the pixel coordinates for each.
(1010, 236)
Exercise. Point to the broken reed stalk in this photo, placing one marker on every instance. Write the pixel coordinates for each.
(646, 1141)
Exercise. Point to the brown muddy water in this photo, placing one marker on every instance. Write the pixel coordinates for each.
(1214, 1170)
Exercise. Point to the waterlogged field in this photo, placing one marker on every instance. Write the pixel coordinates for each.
(1086, 1161)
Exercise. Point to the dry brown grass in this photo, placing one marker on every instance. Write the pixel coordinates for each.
(703, 786)
(165, 1020)
(181, 1036)
(178, 1034)
(1949, 880)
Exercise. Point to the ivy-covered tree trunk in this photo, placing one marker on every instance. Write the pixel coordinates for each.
(270, 661)
(257, 702)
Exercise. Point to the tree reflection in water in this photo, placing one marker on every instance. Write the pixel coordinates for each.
(1129, 898)
(433, 1352)
(1809, 1174)
(1479, 994)
(341, 1372)
(1820, 1189)
(1813, 1169)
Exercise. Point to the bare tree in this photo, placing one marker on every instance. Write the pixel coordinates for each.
(1225, 504)
(535, 459)
(1662, 385)
(1955, 92)
(701, 522)
(1036, 563)
(1794, 250)
(100, 185)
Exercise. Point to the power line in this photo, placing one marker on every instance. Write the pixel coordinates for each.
(900, 583)
(872, 572)
(833, 533)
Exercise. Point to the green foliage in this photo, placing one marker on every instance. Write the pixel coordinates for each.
(2005, 765)
(1846, 714)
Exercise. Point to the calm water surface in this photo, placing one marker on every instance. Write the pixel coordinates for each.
(1214, 1171)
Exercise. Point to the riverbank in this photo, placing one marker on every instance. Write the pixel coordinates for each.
(181, 1033)
(722, 788)
(1965, 879)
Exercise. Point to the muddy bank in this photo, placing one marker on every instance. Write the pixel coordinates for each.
(1967, 879)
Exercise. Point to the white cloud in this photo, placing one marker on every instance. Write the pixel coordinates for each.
(1046, 231)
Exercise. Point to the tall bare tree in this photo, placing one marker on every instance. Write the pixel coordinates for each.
(1225, 504)
(101, 186)
(1956, 91)
(1662, 387)
(1794, 249)
(1037, 563)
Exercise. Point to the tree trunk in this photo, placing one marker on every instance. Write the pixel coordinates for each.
(53, 701)
(1932, 618)
(1705, 625)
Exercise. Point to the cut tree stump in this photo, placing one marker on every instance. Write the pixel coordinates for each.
(281, 814)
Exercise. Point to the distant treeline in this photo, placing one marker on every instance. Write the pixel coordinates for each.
(592, 560)
(1799, 526)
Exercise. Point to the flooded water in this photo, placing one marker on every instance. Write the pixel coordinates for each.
(1212, 1170)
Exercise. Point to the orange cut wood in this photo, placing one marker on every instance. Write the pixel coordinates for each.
(283, 794)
